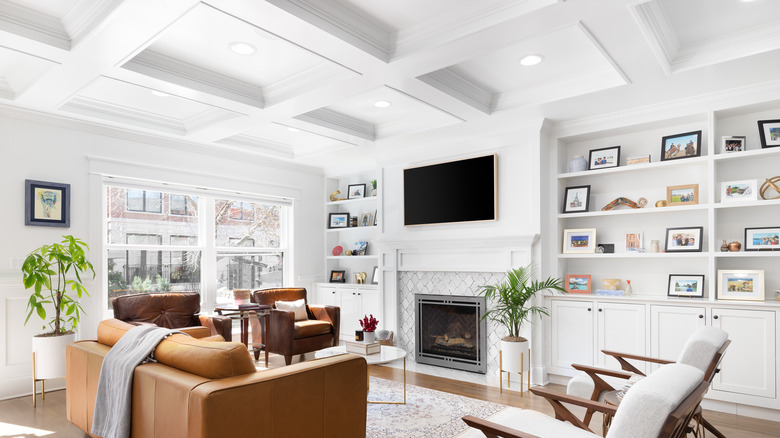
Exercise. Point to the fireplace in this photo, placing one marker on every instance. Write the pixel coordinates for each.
(450, 332)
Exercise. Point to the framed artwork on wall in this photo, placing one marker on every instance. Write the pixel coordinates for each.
(686, 145)
(686, 285)
(46, 204)
(741, 285)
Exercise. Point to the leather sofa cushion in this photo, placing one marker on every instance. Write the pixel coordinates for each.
(311, 327)
(171, 310)
(210, 359)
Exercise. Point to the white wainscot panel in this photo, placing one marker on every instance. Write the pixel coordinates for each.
(18, 337)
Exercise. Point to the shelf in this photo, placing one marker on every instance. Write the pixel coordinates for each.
(734, 156)
(336, 230)
(351, 201)
(747, 254)
(646, 210)
(743, 204)
(636, 167)
(660, 255)
(367, 257)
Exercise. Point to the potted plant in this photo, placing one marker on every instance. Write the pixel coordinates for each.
(511, 310)
(373, 185)
(369, 323)
(46, 270)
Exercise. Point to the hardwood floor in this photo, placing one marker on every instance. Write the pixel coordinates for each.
(19, 419)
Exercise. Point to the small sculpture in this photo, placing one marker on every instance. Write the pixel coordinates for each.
(622, 201)
(661, 203)
(333, 197)
(770, 182)
(735, 246)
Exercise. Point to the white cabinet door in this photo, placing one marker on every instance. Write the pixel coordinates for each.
(572, 333)
(327, 295)
(350, 310)
(621, 327)
(748, 367)
(371, 304)
(670, 328)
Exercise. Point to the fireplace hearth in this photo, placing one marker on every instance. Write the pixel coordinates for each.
(450, 332)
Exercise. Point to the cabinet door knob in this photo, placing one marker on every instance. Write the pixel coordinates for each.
(334, 292)
(701, 316)
(715, 317)
(600, 310)
(588, 309)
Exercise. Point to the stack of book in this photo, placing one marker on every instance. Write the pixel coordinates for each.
(613, 293)
(364, 348)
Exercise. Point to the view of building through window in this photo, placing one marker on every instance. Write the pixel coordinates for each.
(159, 242)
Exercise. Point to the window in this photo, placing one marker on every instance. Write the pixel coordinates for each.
(236, 244)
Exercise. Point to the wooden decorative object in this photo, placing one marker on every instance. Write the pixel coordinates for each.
(774, 183)
(621, 201)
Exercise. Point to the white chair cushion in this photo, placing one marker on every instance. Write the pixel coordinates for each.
(531, 422)
(702, 346)
(299, 307)
(645, 408)
(581, 385)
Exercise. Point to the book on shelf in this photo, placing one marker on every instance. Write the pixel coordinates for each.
(363, 347)
(610, 293)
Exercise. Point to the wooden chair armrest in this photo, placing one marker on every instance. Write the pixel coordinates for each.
(616, 354)
(554, 396)
(602, 371)
(494, 430)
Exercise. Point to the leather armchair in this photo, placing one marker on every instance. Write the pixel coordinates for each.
(170, 310)
(289, 337)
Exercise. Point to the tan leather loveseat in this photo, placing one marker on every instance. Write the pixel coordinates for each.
(210, 389)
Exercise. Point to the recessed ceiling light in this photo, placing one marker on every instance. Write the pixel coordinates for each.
(291, 129)
(160, 93)
(242, 48)
(382, 103)
(531, 60)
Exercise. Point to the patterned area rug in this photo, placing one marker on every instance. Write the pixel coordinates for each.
(427, 413)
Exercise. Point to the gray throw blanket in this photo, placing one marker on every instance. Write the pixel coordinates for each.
(113, 403)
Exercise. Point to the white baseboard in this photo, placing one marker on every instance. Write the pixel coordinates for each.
(22, 386)
(741, 410)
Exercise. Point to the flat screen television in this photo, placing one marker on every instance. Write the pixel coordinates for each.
(455, 191)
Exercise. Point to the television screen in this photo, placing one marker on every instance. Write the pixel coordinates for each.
(456, 191)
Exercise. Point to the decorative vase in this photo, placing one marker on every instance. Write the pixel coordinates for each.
(629, 289)
(373, 192)
(655, 247)
(578, 164)
(724, 247)
(50, 355)
(369, 337)
(510, 356)
(735, 246)
(611, 283)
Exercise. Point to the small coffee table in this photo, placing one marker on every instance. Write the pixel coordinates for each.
(386, 355)
(243, 313)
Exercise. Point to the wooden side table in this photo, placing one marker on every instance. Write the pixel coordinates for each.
(244, 313)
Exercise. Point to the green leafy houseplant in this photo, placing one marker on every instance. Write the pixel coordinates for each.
(46, 270)
(512, 296)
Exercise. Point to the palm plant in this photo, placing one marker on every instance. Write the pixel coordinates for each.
(511, 297)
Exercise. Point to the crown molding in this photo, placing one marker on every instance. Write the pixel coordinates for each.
(115, 113)
(260, 146)
(658, 31)
(28, 23)
(188, 75)
(304, 81)
(87, 16)
(418, 123)
(6, 92)
(340, 122)
(211, 115)
(460, 87)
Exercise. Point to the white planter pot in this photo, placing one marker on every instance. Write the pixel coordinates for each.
(369, 337)
(510, 356)
(50, 355)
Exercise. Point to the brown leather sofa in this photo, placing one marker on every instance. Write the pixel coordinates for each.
(289, 337)
(210, 389)
(173, 310)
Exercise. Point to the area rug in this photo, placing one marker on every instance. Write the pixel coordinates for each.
(427, 413)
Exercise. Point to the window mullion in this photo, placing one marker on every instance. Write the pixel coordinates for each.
(207, 227)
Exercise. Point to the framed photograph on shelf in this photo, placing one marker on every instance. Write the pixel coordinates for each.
(375, 275)
(604, 158)
(732, 144)
(769, 130)
(686, 285)
(355, 191)
(576, 199)
(686, 239)
(360, 248)
(682, 195)
(741, 285)
(686, 145)
(338, 220)
(579, 241)
(338, 277)
(365, 220)
(746, 190)
(578, 284)
(634, 242)
(46, 204)
(762, 239)
(375, 217)
(638, 160)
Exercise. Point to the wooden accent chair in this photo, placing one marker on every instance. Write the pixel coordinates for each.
(659, 406)
(704, 350)
(288, 335)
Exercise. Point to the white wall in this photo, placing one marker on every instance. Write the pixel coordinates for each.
(48, 149)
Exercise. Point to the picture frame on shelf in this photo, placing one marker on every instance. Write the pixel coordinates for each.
(605, 248)
(604, 158)
(687, 194)
(338, 220)
(741, 284)
(739, 191)
(338, 277)
(578, 284)
(360, 248)
(579, 241)
(733, 143)
(375, 217)
(679, 146)
(355, 191)
(686, 285)
(576, 199)
(375, 275)
(46, 204)
(365, 220)
(630, 161)
(634, 242)
(683, 239)
(762, 239)
(769, 130)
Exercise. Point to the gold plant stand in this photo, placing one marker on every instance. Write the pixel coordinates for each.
(523, 372)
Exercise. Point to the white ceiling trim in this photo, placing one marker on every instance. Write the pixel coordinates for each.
(206, 118)
(115, 113)
(467, 91)
(313, 150)
(6, 92)
(340, 122)
(658, 32)
(302, 82)
(256, 145)
(34, 25)
(86, 16)
(414, 124)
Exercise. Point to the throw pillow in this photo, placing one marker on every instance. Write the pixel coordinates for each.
(299, 307)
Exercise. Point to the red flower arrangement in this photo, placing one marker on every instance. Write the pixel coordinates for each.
(368, 323)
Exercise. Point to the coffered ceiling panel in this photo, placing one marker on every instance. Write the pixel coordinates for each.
(284, 141)
(19, 70)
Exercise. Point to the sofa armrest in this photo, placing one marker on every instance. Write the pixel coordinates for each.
(332, 314)
(219, 325)
(281, 331)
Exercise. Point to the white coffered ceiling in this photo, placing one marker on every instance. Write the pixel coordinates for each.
(449, 68)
